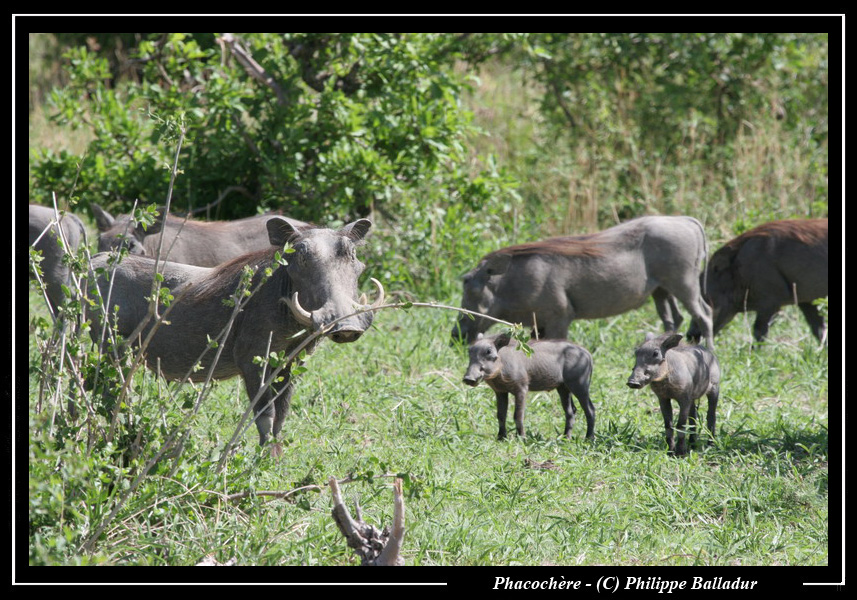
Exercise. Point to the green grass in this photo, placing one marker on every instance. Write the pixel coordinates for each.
(393, 403)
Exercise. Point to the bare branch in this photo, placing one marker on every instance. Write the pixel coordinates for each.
(390, 555)
(254, 69)
(287, 493)
(376, 548)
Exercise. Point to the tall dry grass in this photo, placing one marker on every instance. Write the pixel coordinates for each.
(571, 183)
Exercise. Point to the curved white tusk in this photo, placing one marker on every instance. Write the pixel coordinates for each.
(380, 299)
(303, 317)
(363, 302)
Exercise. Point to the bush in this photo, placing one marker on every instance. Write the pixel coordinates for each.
(322, 126)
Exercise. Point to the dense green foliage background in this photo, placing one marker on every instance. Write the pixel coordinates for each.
(454, 144)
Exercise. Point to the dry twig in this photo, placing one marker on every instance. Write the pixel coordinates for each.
(376, 548)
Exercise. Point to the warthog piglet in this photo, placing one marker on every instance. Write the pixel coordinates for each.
(683, 373)
(554, 365)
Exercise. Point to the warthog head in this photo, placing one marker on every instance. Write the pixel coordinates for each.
(651, 359)
(121, 232)
(479, 286)
(323, 271)
(484, 356)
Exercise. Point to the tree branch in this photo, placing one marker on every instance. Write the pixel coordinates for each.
(254, 69)
(287, 493)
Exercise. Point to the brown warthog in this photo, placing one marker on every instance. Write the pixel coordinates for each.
(683, 373)
(589, 277)
(201, 243)
(554, 365)
(44, 236)
(315, 289)
(777, 263)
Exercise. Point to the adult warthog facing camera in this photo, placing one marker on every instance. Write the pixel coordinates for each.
(317, 287)
(201, 243)
(589, 277)
(765, 268)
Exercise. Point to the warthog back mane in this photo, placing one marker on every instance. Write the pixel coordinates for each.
(224, 279)
(805, 231)
(579, 245)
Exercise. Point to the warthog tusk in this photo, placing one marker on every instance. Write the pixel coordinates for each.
(303, 317)
(363, 302)
(380, 300)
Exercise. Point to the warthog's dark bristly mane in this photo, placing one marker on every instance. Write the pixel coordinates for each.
(578, 245)
(261, 258)
(805, 231)
(224, 279)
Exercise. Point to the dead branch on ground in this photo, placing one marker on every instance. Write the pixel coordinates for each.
(376, 548)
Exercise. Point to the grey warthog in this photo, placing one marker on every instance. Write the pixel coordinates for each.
(201, 243)
(44, 236)
(590, 276)
(554, 365)
(774, 264)
(681, 373)
(315, 289)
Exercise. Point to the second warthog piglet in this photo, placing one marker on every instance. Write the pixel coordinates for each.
(683, 373)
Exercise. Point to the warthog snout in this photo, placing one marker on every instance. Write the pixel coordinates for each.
(346, 331)
(634, 383)
(473, 375)
(345, 335)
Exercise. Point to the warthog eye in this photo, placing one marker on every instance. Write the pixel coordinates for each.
(301, 254)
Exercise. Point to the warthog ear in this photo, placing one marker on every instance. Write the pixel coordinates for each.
(497, 264)
(280, 230)
(358, 229)
(501, 340)
(103, 219)
(671, 341)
